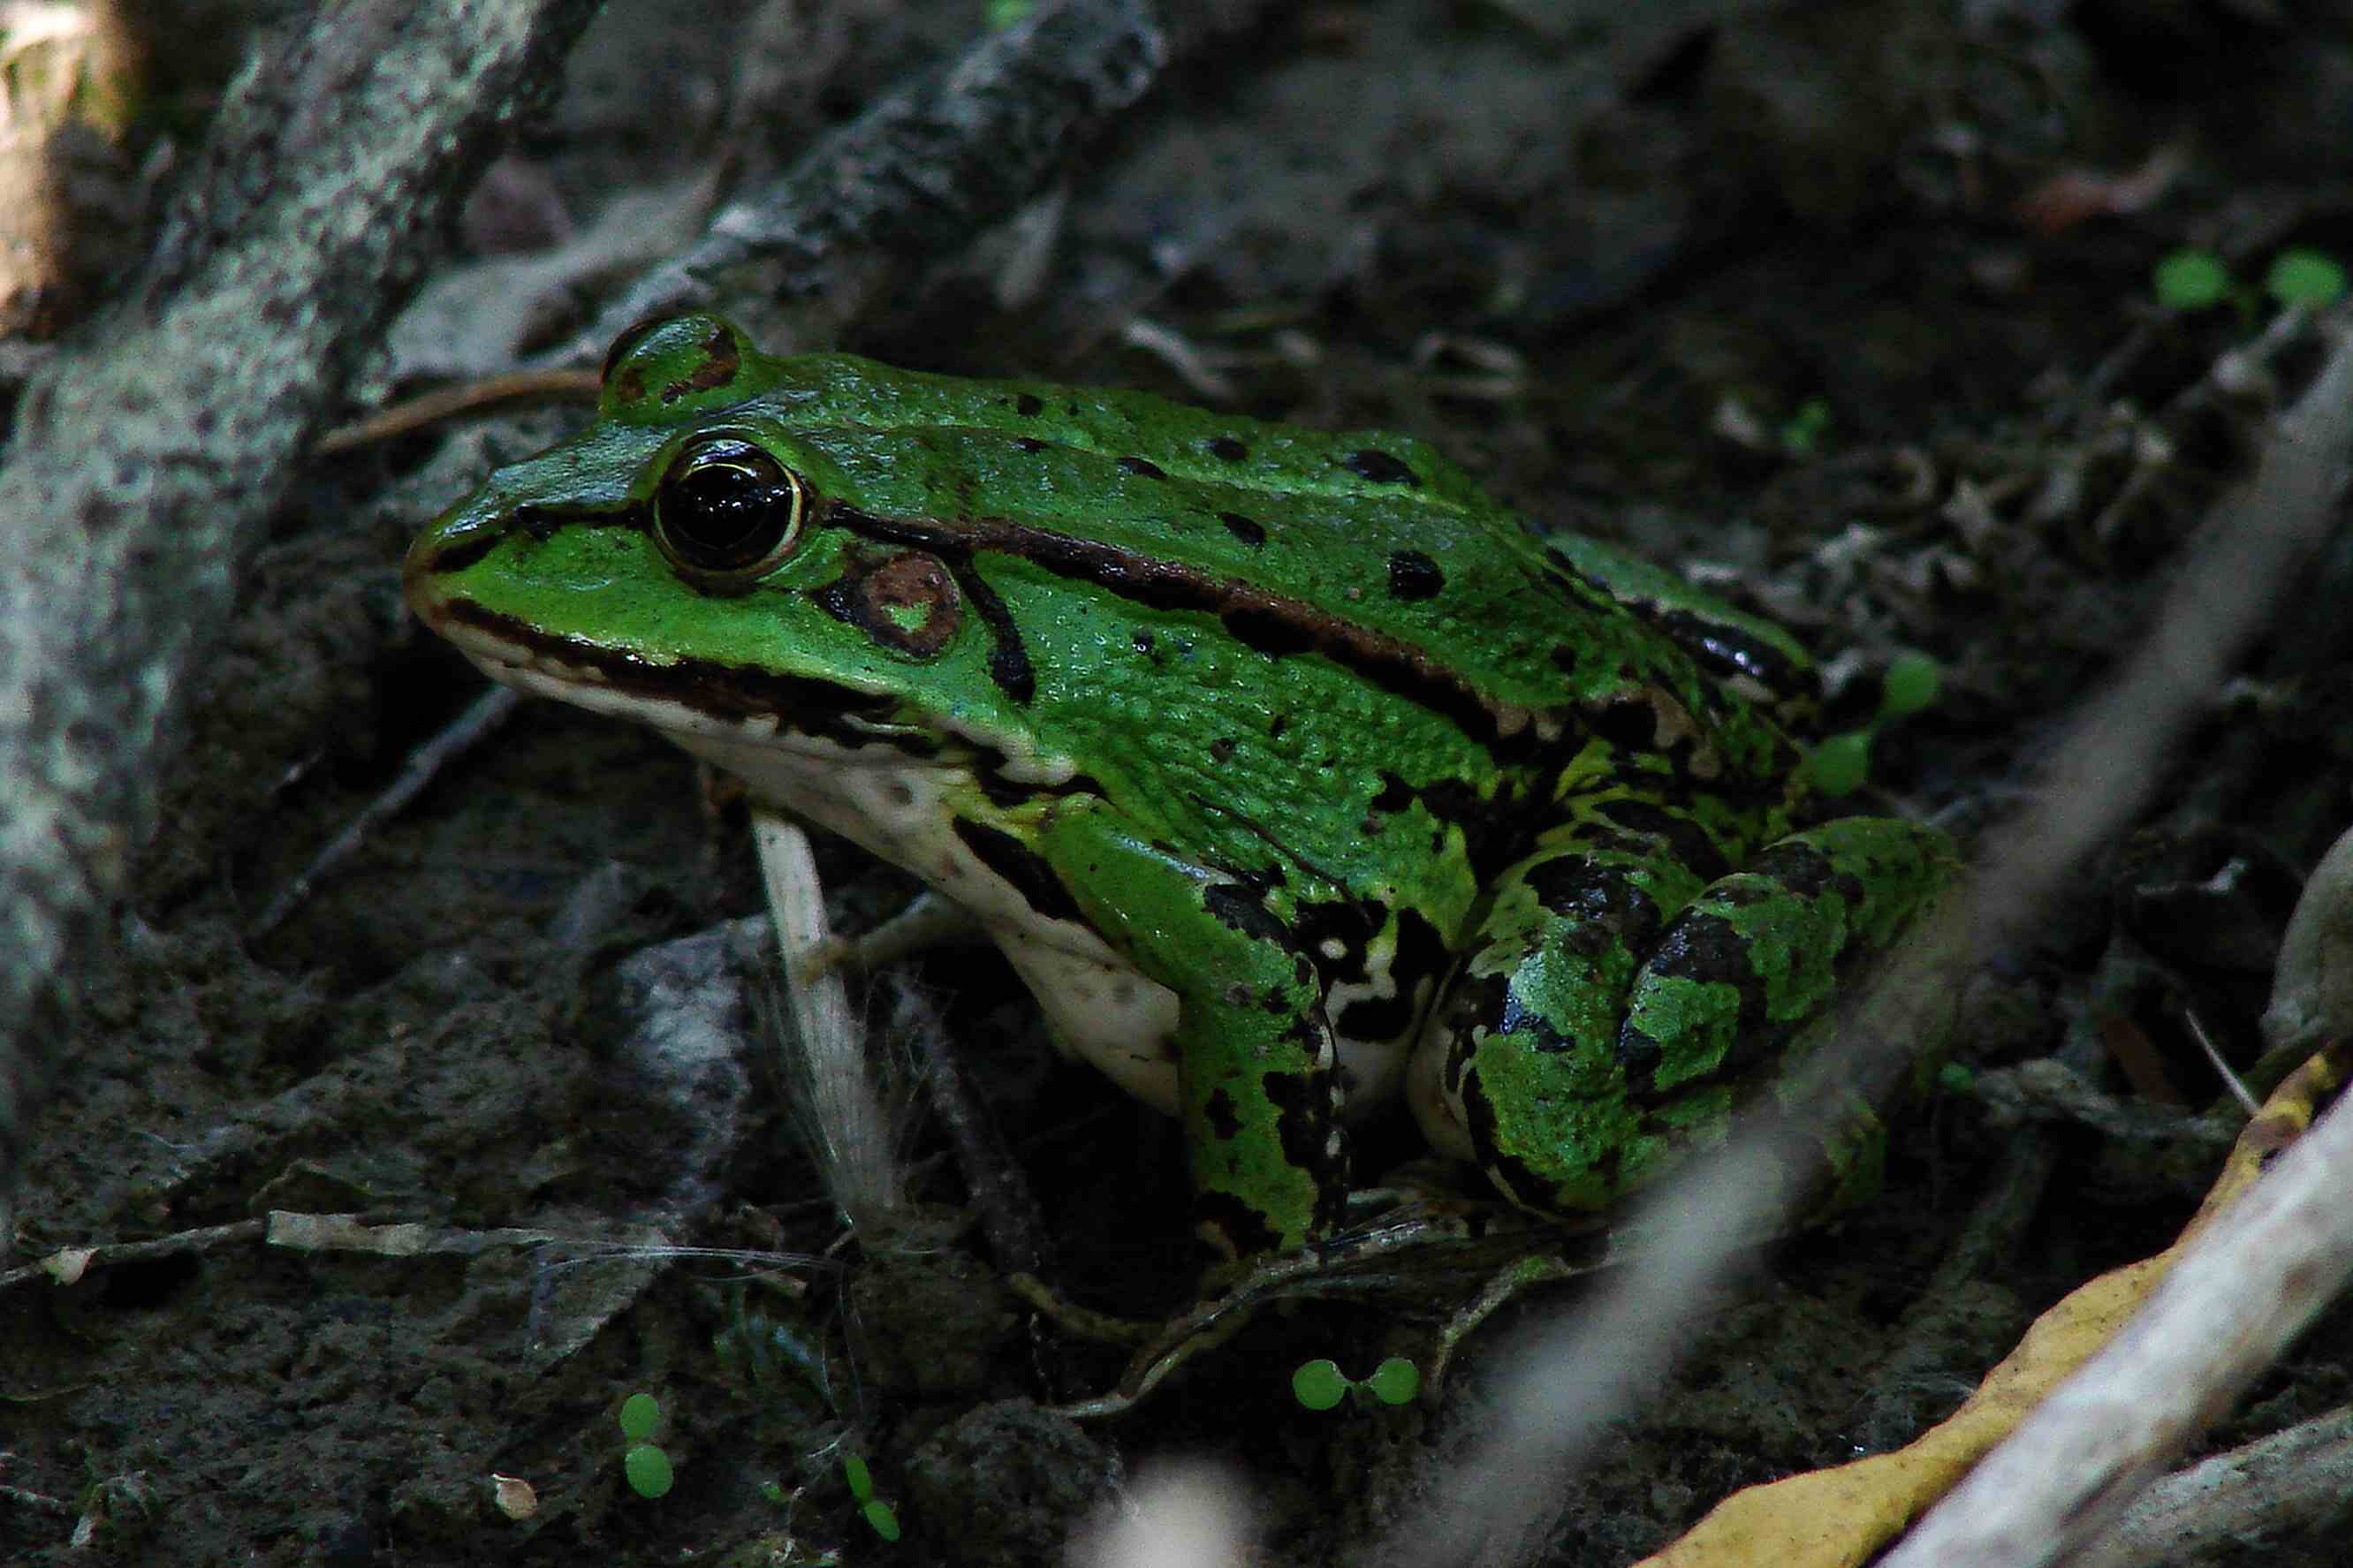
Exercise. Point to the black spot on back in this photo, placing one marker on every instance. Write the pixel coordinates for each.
(1242, 908)
(1370, 463)
(1414, 576)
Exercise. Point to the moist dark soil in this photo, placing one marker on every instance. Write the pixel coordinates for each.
(1846, 309)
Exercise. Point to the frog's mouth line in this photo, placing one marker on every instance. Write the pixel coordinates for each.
(702, 699)
(691, 696)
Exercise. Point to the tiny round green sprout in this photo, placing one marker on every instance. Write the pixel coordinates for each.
(1395, 1381)
(861, 1478)
(1841, 763)
(1801, 433)
(647, 1470)
(1911, 684)
(640, 1414)
(2301, 275)
(2191, 280)
(1319, 1384)
(1954, 1078)
(878, 1514)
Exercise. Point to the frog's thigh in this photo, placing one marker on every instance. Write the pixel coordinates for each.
(1614, 1011)
(1516, 1069)
(1745, 980)
(1258, 1095)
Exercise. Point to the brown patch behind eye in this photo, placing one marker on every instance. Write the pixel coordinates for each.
(908, 602)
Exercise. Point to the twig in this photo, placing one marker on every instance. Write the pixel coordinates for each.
(1009, 1215)
(852, 1131)
(39, 1503)
(2226, 1309)
(1580, 1372)
(448, 402)
(300, 231)
(68, 1264)
(926, 165)
(485, 715)
(2297, 1475)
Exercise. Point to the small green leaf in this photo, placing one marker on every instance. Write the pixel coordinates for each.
(773, 1491)
(1911, 684)
(1839, 765)
(2191, 280)
(2305, 276)
(886, 1523)
(647, 1470)
(640, 1414)
(861, 1478)
(1955, 1078)
(1395, 1381)
(1802, 432)
(1319, 1384)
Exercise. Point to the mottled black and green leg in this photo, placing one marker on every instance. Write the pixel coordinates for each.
(1616, 1010)
(1749, 980)
(1259, 1091)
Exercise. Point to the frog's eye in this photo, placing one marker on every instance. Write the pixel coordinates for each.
(727, 506)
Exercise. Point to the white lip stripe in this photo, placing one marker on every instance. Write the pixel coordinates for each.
(896, 807)
(585, 686)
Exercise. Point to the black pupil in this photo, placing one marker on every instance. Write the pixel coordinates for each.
(726, 505)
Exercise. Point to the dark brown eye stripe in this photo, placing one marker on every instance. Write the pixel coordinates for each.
(1008, 658)
(1271, 623)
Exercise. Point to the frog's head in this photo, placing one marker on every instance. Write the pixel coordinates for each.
(733, 553)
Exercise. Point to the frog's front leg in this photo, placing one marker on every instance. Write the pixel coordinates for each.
(1625, 997)
(1258, 1093)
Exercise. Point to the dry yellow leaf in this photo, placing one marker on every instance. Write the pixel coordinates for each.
(1838, 1517)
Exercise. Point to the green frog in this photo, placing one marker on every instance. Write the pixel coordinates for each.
(1291, 772)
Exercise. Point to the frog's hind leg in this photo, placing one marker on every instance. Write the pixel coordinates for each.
(1618, 1007)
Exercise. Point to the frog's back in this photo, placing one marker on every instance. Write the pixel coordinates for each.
(1370, 547)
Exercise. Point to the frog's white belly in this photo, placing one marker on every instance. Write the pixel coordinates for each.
(1100, 1008)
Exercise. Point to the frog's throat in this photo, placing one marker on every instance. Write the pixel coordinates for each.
(898, 800)
(815, 720)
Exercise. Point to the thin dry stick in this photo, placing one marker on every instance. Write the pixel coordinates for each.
(852, 1131)
(1588, 1368)
(180, 1244)
(924, 166)
(2224, 1313)
(484, 717)
(2291, 1477)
